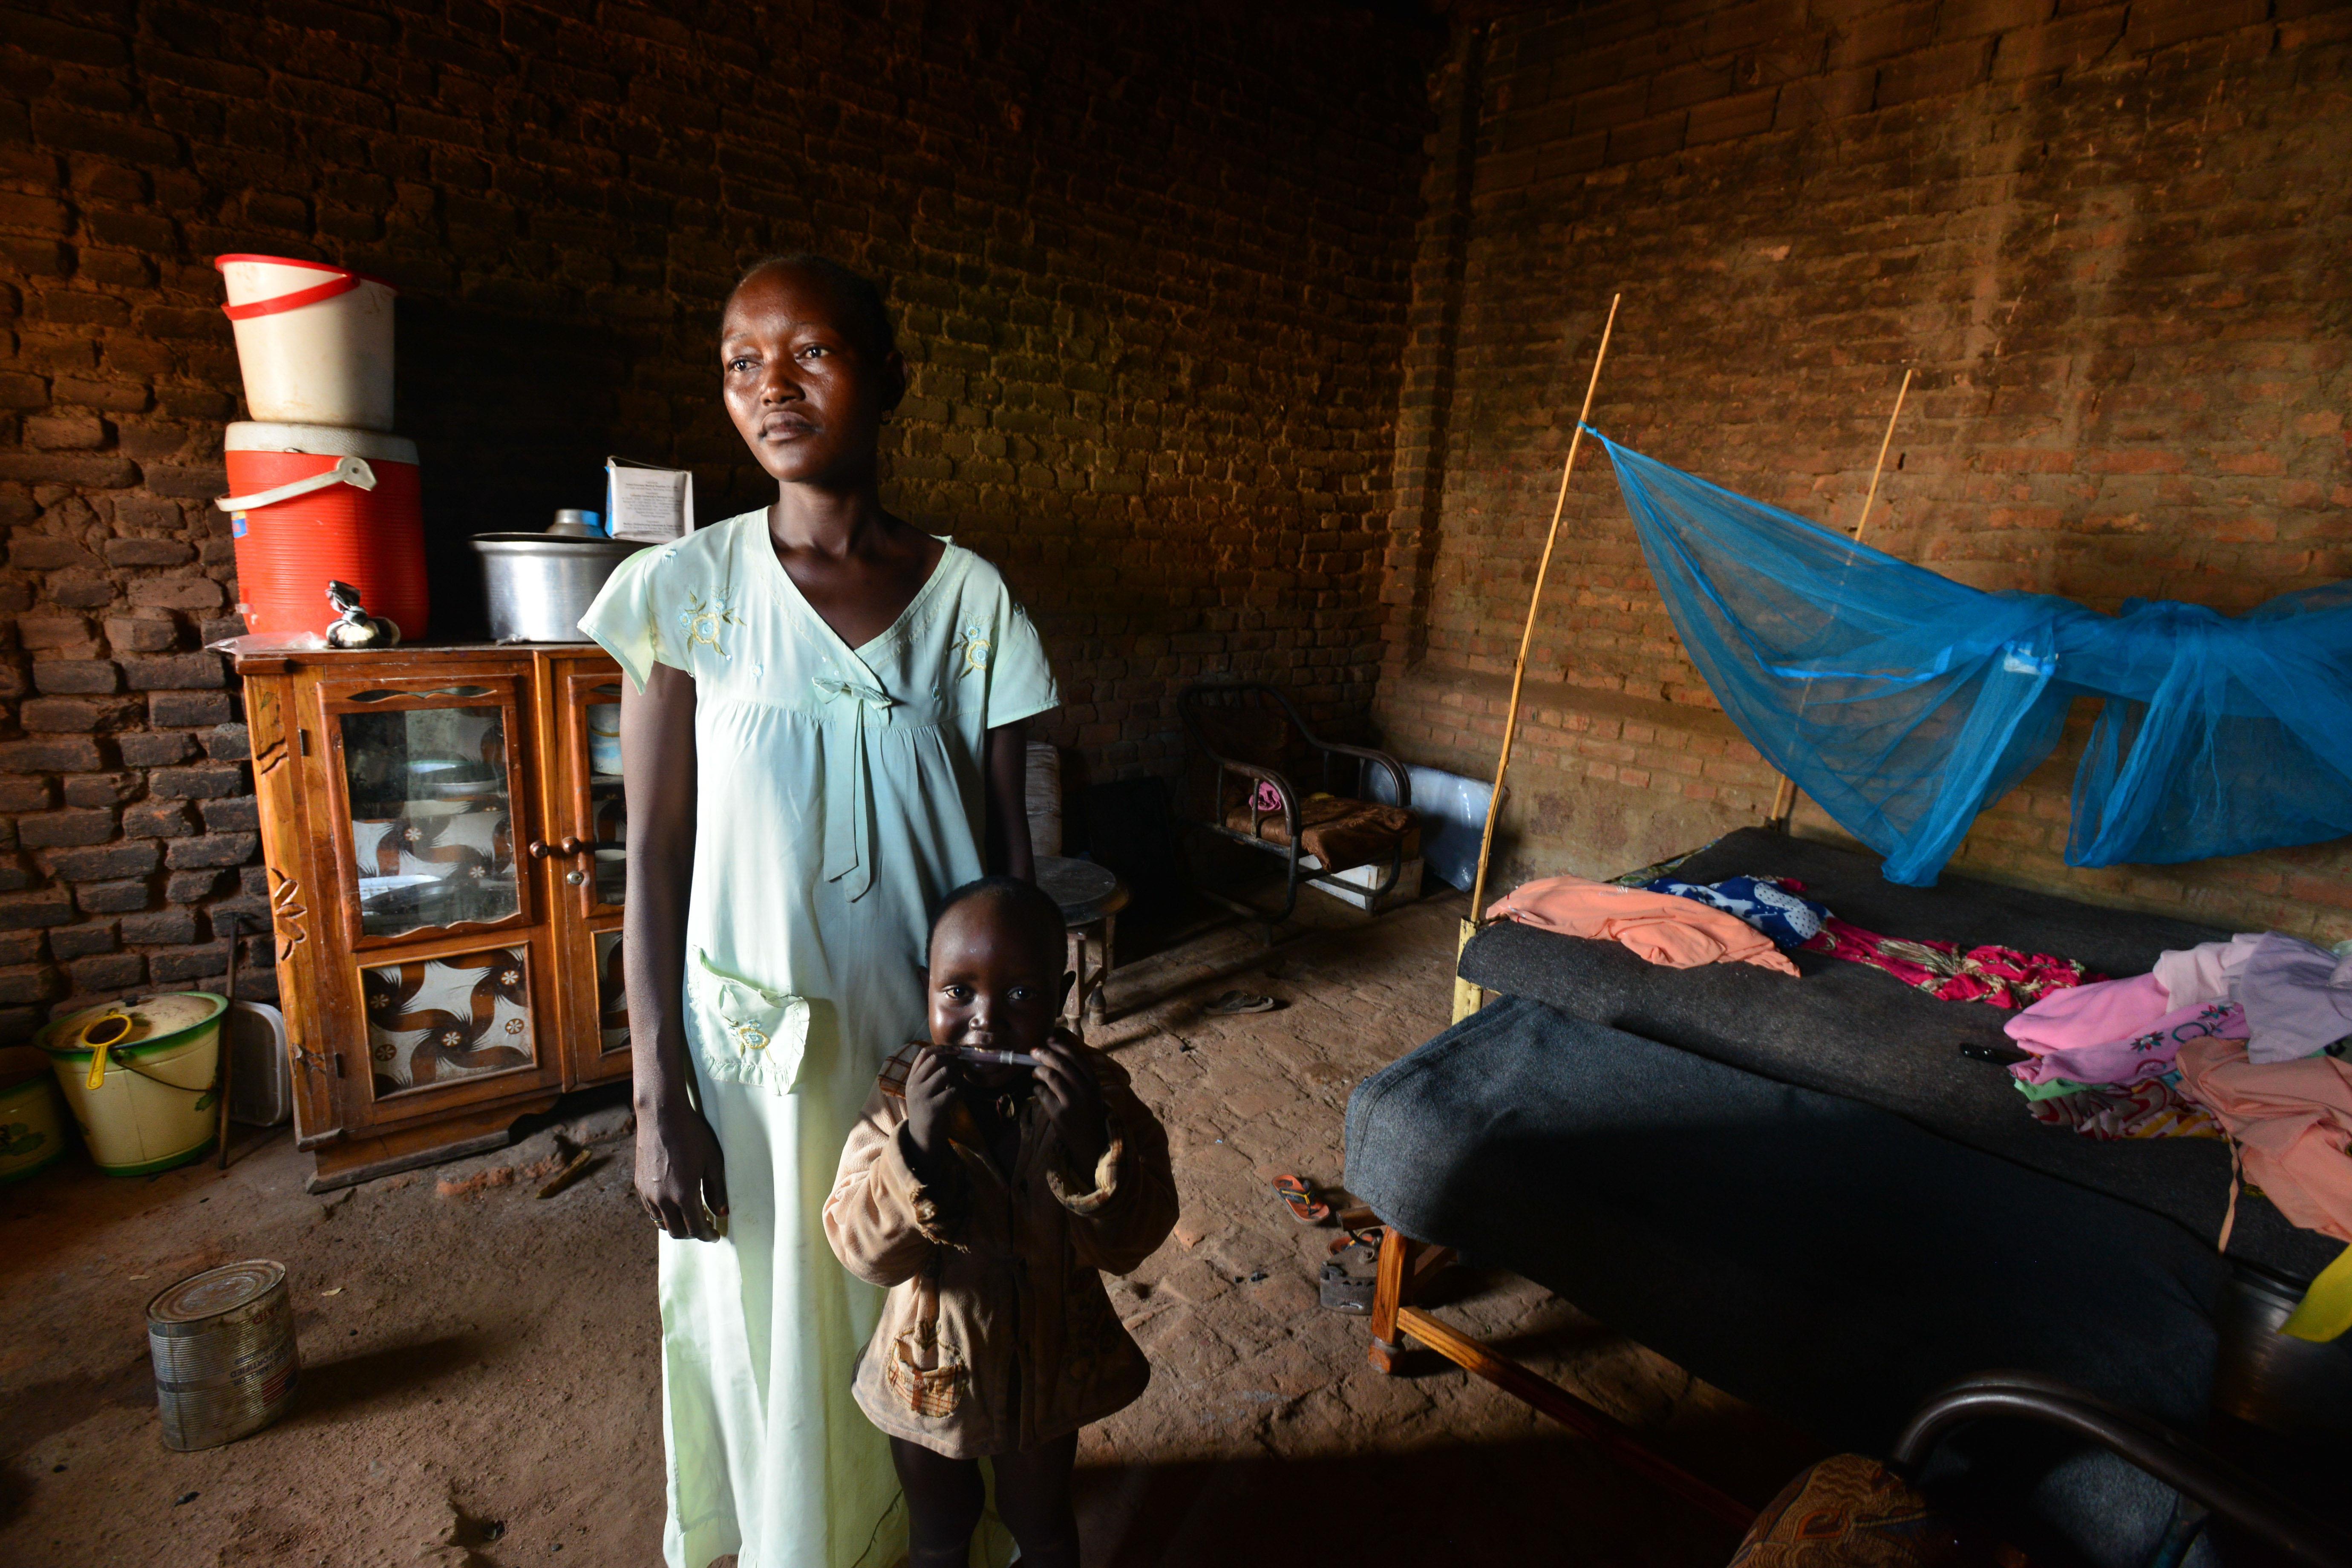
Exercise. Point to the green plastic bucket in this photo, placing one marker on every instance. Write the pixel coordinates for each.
(32, 1128)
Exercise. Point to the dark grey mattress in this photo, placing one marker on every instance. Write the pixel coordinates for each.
(1848, 1029)
(1828, 1260)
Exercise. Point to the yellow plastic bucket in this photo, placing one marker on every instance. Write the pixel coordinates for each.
(32, 1130)
(142, 1078)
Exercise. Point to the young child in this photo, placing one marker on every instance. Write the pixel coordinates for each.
(990, 1196)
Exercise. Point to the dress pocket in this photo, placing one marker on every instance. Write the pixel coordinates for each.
(757, 1036)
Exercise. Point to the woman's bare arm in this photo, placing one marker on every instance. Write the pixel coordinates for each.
(681, 1178)
(1007, 831)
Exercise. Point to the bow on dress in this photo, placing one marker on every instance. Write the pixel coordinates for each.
(847, 788)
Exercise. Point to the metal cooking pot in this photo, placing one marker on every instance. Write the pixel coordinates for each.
(541, 584)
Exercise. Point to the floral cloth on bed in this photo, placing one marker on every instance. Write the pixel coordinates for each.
(1765, 902)
(2109, 1112)
(2000, 976)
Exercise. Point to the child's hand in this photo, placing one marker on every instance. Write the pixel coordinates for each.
(1072, 1099)
(930, 1101)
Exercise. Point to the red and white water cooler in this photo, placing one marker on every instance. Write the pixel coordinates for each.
(319, 489)
(311, 504)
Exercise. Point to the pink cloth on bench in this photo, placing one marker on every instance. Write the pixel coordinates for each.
(2294, 1121)
(2116, 1031)
(1678, 932)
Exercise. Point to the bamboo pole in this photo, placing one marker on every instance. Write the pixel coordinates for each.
(1784, 799)
(1468, 998)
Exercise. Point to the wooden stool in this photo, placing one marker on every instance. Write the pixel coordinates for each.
(1090, 897)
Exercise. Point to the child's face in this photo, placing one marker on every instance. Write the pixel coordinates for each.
(995, 983)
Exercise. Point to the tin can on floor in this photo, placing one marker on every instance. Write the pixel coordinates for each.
(223, 1342)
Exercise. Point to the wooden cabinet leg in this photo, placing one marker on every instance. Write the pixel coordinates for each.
(1388, 1296)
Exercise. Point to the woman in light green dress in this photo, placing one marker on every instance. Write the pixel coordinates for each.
(822, 727)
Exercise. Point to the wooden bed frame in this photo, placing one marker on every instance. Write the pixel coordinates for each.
(1406, 1266)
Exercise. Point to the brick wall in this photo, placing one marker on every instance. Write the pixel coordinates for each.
(2111, 238)
(1152, 278)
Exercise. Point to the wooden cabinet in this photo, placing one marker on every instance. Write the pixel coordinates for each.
(443, 830)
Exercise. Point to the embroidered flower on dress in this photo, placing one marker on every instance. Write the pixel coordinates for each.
(705, 620)
(751, 1036)
(976, 648)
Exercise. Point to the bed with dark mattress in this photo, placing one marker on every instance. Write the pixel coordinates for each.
(1800, 1190)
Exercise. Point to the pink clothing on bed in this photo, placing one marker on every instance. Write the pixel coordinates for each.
(2206, 972)
(2118, 1031)
(1678, 932)
(2294, 1121)
(2090, 1015)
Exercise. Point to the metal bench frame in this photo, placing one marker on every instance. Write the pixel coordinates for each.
(1235, 696)
(2210, 1485)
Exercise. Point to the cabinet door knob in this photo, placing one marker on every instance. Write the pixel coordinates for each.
(536, 850)
(575, 877)
(570, 847)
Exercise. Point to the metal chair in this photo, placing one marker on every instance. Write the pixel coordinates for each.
(1225, 718)
(2209, 1484)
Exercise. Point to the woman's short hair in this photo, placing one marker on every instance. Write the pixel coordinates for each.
(865, 319)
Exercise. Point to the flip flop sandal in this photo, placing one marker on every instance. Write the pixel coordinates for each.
(1241, 1002)
(1301, 1199)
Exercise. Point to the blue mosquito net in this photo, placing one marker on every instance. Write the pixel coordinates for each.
(1905, 702)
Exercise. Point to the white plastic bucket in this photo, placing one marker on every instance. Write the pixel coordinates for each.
(144, 1092)
(314, 340)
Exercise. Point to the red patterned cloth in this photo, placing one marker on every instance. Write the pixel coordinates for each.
(2110, 1113)
(2000, 976)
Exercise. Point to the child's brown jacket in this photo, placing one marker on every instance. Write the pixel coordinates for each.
(997, 1334)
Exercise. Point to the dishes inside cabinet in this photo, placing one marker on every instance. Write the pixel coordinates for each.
(431, 830)
(604, 739)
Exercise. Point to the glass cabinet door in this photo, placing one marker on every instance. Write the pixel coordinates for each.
(441, 1020)
(427, 779)
(588, 817)
(588, 833)
(444, 992)
(612, 996)
(608, 810)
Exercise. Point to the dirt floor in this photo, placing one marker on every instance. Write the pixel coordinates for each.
(482, 1386)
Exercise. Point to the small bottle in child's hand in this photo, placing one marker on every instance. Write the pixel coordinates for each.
(998, 1059)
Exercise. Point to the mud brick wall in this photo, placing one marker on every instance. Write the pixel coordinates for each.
(1151, 278)
(2111, 239)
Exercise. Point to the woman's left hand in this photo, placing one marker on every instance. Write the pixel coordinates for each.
(1072, 1099)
